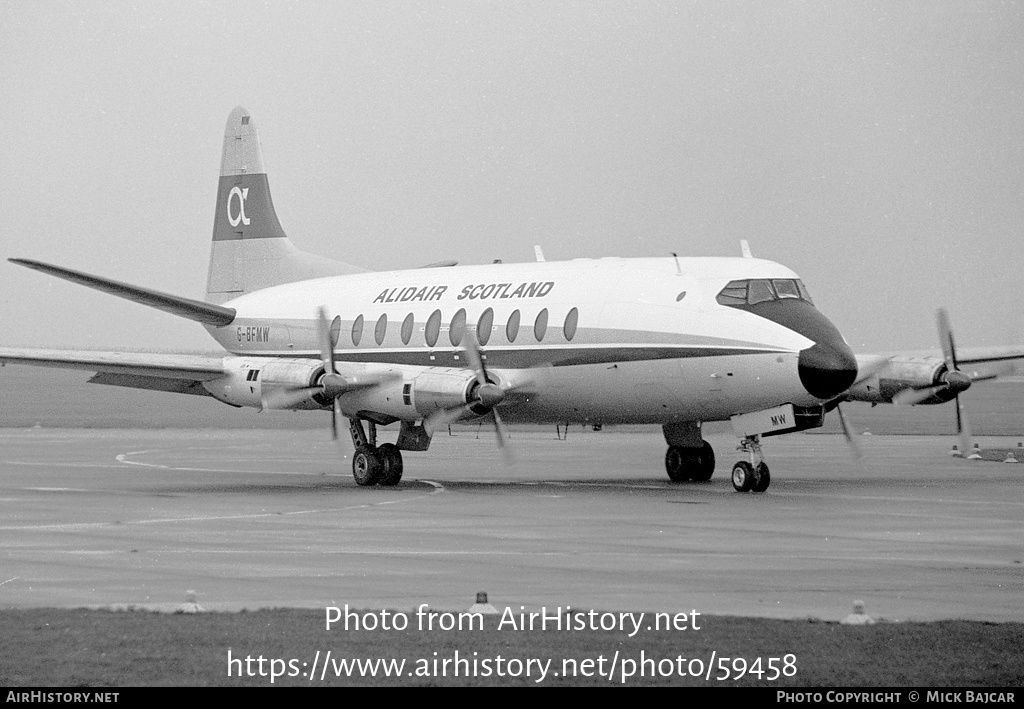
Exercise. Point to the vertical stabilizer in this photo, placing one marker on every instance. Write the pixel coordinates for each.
(250, 249)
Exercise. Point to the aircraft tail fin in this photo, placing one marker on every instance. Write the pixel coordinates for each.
(250, 250)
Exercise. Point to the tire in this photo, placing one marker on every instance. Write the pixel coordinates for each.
(705, 463)
(366, 466)
(742, 476)
(762, 478)
(678, 464)
(391, 458)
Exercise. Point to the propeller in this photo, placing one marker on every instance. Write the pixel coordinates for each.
(486, 395)
(960, 383)
(952, 380)
(330, 384)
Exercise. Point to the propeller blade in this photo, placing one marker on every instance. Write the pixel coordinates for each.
(850, 433)
(501, 434)
(472, 351)
(287, 398)
(444, 417)
(335, 415)
(963, 428)
(326, 346)
(911, 396)
(946, 338)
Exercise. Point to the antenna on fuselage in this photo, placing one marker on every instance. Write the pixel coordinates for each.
(745, 248)
(679, 270)
(538, 253)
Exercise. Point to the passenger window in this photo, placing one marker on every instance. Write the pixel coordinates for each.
(433, 328)
(483, 327)
(760, 291)
(381, 329)
(786, 288)
(457, 328)
(357, 331)
(540, 325)
(512, 327)
(569, 328)
(335, 331)
(407, 329)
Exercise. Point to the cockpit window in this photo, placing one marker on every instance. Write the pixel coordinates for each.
(759, 290)
(786, 289)
(735, 293)
(804, 293)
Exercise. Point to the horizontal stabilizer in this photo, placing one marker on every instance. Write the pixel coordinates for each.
(206, 313)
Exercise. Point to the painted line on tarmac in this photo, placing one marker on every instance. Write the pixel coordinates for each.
(840, 496)
(58, 464)
(219, 518)
(306, 552)
(122, 459)
(56, 489)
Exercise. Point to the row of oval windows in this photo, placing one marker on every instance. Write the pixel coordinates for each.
(457, 327)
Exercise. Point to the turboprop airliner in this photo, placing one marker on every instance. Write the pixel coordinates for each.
(670, 341)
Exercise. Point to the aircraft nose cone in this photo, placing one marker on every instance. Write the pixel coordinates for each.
(827, 369)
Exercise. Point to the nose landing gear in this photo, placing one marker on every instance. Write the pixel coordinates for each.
(752, 476)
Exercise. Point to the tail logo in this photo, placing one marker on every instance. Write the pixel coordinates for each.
(239, 218)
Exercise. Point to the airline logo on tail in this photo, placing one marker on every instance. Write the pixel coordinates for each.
(240, 217)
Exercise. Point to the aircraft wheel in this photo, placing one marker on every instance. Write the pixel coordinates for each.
(762, 478)
(392, 460)
(705, 463)
(742, 476)
(366, 466)
(678, 464)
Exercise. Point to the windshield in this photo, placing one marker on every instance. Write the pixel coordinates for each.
(758, 290)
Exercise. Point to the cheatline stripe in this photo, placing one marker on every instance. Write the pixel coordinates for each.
(517, 358)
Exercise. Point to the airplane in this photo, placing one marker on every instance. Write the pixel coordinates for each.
(667, 340)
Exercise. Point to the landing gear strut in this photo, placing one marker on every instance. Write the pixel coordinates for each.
(752, 476)
(372, 465)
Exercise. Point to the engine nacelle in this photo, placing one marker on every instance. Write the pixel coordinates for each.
(437, 389)
(901, 373)
(251, 378)
(403, 393)
(419, 393)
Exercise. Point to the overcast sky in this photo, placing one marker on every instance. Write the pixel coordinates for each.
(876, 148)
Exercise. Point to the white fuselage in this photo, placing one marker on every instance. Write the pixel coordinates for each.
(603, 340)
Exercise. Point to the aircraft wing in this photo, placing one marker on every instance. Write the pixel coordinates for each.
(989, 355)
(196, 368)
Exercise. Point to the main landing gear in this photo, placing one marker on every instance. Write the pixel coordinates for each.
(373, 465)
(752, 476)
(684, 463)
(689, 456)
